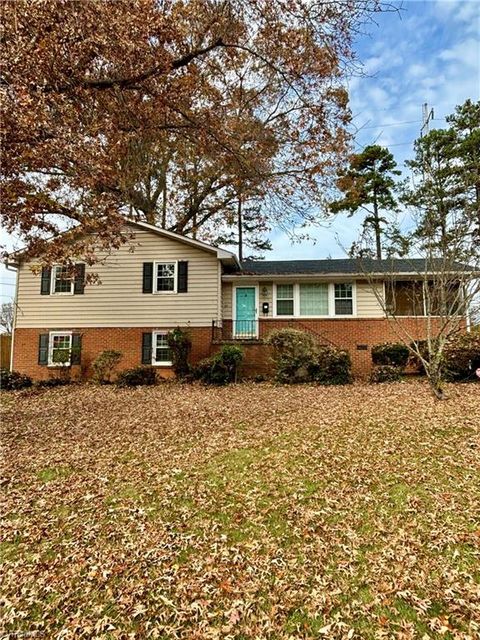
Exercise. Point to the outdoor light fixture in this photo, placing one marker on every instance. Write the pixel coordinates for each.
(265, 308)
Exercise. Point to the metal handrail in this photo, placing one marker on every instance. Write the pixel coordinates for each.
(236, 330)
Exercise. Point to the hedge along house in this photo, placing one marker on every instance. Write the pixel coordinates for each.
(161, 280)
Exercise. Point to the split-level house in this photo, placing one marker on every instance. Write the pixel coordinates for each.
(160, 280)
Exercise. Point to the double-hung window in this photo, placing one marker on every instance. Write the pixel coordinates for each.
(343, 299)
(161, 352)
(62, 281)
(165, 277)
(60, 349)
(285, 300)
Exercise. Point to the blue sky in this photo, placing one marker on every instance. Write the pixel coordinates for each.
(428, 52)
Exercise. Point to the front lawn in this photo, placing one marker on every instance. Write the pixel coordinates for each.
(244, 512)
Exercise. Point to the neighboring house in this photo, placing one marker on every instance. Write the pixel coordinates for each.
(169, 280)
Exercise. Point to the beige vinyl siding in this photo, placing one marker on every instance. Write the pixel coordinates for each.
(265, 295)
(368, 305)
(118, 301)
(227, 311)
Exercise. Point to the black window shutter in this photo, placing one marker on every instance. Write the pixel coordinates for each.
(76, 356)
(79, 282)
(43, 348)
(148, 277)
(182, 286)
(147, 348)
(45, 281)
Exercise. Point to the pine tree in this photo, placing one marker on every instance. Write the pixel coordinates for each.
(369, 184)
(445, 191)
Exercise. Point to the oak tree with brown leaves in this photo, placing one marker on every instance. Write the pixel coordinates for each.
(88, 87)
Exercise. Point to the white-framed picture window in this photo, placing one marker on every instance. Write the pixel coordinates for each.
(161, 352)
(60, 349)
(165, 277)
(314, 300)
(62, 280)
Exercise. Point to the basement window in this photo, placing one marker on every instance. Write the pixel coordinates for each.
(60, 350)
(161, 352)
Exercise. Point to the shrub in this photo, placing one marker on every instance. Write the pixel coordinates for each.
(180, 344)
(63, 359)
(385, 373)
(461, 357)
(104, 365)
(299, 358)
(294, 353)
(391, 353)
(49, 383)
(137, 376)
(221, 368)
(332, 366)
(13, 380)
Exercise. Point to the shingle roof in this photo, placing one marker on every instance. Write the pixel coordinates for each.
(338, 266)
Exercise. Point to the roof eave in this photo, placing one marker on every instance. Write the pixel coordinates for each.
(222, 254)
(226, 257)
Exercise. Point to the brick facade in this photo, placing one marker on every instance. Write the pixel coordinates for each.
(356, 335)
(352, 333)
(95, 340)
(348, 333)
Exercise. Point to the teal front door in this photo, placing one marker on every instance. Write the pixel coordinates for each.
(246, 312)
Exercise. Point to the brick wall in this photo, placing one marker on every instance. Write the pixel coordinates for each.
(95, 340)
(351, 333)
(348, 333)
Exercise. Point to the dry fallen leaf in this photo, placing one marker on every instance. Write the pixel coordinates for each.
(252, 511)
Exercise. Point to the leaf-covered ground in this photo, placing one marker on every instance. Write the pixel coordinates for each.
(251, 511)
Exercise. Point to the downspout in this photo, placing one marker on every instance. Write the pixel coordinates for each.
(468, 320)
(219, 296)
(15, 307)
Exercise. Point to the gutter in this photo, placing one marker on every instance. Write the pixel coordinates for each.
(231, 277)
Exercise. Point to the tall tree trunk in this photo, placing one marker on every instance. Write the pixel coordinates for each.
(477, 204)
(194, 226)
(376, 226)
(164, 202)
(240, 228)
(435, 376)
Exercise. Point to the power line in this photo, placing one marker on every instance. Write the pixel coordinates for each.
(401, 144)
(396, 144)
(391, 124)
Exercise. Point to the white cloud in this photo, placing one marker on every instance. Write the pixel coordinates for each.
(466, 52)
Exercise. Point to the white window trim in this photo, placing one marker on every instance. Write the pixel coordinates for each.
(331, 302)
(52, 283)
(175, 277)
(354, 300)
(163, 363)
(295, 301)
(51, 335)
